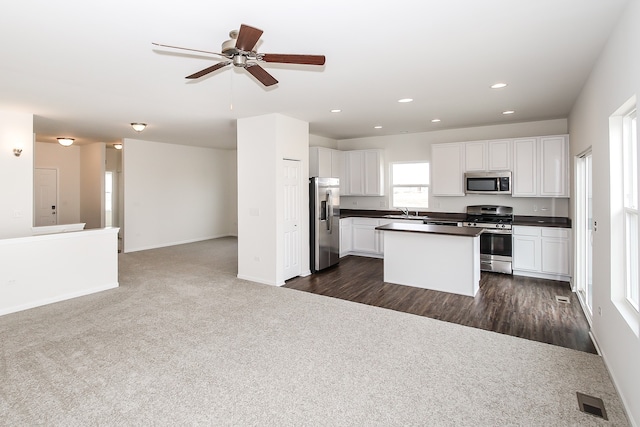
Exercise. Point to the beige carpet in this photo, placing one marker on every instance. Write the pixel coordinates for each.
(183, 342)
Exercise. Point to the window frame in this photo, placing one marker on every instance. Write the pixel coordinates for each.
(393, 185)
(630, 209)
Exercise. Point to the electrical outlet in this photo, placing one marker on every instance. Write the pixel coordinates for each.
(600, 311)
(354, 203)
(383, 204)
(535, 208)
(11, 282)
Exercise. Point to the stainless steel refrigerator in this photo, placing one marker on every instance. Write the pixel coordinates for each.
(324, 210)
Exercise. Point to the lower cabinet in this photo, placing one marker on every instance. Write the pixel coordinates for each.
(358, 236)
(542, 252)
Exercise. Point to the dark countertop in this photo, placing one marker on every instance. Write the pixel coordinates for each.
(542, 221)
(535, 221)
(451, 230)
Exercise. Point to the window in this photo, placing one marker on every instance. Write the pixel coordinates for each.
(410, 185)
(630, 189)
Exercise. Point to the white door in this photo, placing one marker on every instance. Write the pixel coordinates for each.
(45, 197)
(292, 237)
(584, 231)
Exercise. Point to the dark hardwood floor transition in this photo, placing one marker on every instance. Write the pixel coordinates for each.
(519, 306)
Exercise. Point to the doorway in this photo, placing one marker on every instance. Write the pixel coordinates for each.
(45, 197)
(584, 232)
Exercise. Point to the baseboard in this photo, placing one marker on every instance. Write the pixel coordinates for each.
(176, 243)
(259, 280)
(558, 277)
(625, 404)
(58, 298)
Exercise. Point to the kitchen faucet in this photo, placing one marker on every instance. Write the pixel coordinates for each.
(405, 211)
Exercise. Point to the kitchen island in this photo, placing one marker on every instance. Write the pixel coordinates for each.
(438, 257)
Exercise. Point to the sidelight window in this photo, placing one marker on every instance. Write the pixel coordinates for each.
(630, 189)
(410, 185)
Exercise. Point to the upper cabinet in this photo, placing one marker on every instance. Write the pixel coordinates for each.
(325, 162)
(483, 156)
(361, 172)
(447, 169)
(364, 173)
(541, 166)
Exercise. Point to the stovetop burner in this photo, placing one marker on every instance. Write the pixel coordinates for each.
(489, 216)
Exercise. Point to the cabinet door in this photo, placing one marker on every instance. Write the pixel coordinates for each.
(499, 154)
(447, 162)
(373, 173)
(525, 167)
(555, 256)
(346, 236)
(337, 165)
(526, 253)
(354, 161)
(475, 156)
(553, 155)
(364, 238)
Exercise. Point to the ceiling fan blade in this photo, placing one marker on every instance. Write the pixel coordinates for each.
(190, 50)
(261, 74)
(247, 38)
(293, 59)
(208, 70)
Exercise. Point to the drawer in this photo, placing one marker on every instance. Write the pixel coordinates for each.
(523, 230)
(555, 232)
(365, 221)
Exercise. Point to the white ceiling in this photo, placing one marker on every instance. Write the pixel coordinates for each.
(87, 69)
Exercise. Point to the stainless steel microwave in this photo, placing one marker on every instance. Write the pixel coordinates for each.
(496, 182)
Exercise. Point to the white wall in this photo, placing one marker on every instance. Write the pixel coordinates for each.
(614, 80)
(16, 174)
(263, 143)
(175, 194)
(92, 163)
(321, 141)
(66, 160)
(417, 146)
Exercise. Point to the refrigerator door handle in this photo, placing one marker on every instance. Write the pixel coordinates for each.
(329, 212)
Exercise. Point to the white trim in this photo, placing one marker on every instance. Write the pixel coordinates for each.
(176, 243)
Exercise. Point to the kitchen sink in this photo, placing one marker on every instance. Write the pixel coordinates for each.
(415, 217)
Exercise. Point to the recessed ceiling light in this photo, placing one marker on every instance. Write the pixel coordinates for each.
(403, 100)
(498, 85)
(435, 121)
(508, 112)
(336, 110)
(377, 127)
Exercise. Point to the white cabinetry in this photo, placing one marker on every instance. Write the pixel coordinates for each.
(325, 162)
(447, 169)
(542, 252)
(365, 240)
(483, 156)
(346, 236)
(364, 173)
(475, 155)
(541, 167)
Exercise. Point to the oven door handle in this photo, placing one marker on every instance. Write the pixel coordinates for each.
(496, 231)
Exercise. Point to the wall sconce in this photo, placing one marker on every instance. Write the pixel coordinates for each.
(117, 146)
(65, 141)
(17, 151)
(138, 127)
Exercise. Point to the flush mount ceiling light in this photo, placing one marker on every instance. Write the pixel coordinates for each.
(65, 141)
(436, 121)
(405, 100)
(138, 127)
(498, 85)
(117, 146)
(377, 127)
(336, 110)
(508, 112)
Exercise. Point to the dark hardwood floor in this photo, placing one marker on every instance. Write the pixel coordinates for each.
(520, 306)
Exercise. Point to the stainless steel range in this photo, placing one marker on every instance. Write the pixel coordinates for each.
(495, 242)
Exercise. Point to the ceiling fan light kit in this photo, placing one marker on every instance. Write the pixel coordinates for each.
(240, 51)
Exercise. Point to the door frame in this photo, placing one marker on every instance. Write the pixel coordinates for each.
(582, 237)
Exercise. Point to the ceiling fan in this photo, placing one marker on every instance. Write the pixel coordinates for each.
(240, 51)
